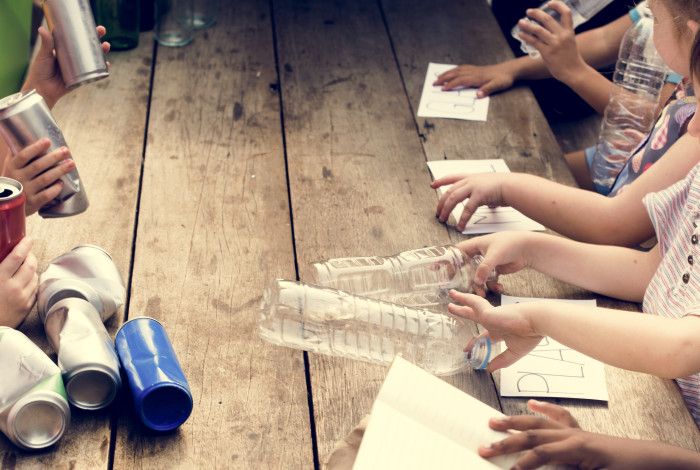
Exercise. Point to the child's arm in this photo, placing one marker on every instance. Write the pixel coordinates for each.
(597, 268)
(18, 284)
(556, 44)
(44, 75)
(576, 213)
(598, 48)
(660, 346)
(557, 439)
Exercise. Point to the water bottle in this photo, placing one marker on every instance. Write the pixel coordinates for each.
(337, 323)
(629, 117)
(581, 11)
(416, 278)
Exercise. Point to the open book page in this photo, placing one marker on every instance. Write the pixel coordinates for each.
(485, 219)
(454, 104)
(423, 409)
(553, 370)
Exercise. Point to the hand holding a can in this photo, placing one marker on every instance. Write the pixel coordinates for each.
(44, 74)
(39, 172)
(18, 284)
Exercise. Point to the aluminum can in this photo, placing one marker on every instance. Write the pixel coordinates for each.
(85, 272)
(34, 412)
(78, 48)
(162, 397)
(24, 119)
(12, 218)
(86, 353)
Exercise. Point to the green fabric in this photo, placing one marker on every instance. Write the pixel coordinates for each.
(15, 23)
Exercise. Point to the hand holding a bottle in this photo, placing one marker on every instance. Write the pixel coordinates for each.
(556, 42)
(484, 189)
(44, 74)
(18, 284)
(39, 172)
(510, 324)
(488, 79)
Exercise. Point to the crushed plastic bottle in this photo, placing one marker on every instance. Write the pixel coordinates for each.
(581, 11)
(417, 278)
(332, 322)
(629, 117)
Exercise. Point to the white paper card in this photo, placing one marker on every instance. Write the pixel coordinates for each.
(455, 104)
(554, 370)
(485, 219)
(419, 421)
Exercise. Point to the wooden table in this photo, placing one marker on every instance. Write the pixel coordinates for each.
(284, 135)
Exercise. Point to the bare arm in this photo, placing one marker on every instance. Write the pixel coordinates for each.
(592, 217)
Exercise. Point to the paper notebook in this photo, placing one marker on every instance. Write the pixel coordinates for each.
(419, 421)
(485, 219)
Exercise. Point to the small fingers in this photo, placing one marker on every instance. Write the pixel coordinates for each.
(26, 272)
(533, 29)
(522, 423)
(505, 359)
(106, 47)
(445, 180)
(13, 261)
(528, 439)
(45, 162)
(46, 47)
(30, 152)
(547, 22)
(469, 208)
(51, 176)
(445, 76)
(45, 196)
(456, 194)
(101, 31)
(555, 413)
(557, 451)
(564, 11)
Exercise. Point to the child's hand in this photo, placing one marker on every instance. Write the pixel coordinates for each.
(504, 252)
(487, 78)
(555, 42)
(510, 324)
(39, 173)
(44, 74)
(18, 284)
(484, 189)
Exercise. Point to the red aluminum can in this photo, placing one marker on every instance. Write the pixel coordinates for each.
(12, 218)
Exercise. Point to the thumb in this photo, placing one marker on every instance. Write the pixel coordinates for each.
(505, 359)
(485, 268)
(46, 47)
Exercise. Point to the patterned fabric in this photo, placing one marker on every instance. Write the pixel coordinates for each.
(669, 127)
(674, 291)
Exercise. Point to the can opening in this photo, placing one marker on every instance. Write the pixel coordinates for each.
(91, 389)
(39, 424)
(5, 192)
(166, 407)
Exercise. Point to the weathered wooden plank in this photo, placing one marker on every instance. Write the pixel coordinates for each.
(103, 124)
(214, 228)
(465, 32)
(358, 177)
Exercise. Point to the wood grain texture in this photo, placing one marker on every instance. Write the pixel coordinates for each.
(103, 125)
(358, 176)
(213, 231)
(518, 132)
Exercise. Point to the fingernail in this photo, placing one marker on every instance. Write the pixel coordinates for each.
(479, 94)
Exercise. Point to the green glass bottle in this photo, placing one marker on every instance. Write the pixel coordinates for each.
(121, 18)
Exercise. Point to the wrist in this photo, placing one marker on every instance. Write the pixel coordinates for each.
(574, 76)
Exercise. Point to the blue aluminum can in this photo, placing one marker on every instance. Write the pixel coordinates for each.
(162, 397)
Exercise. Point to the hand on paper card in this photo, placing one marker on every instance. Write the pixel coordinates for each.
(471, 193)
(487, 78)
(504, 252)
(508, 324)
(460, 103)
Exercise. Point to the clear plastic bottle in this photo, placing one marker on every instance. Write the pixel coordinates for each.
(332, 322)
(639, 77)
(419, 278)
(581, 11)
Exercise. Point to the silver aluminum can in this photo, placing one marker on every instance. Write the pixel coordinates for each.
(85, 272)
(78, 48)
(86, 353)
(24, 119)
(34, 412)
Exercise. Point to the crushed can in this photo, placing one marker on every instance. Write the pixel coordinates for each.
(161, 394)
(24, 119)
(34, 411)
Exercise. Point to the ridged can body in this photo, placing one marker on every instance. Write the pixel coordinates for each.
(78, 48)
(86, 272)
(34, 411)
(12, 217)
(161, 394)
(86, 353)
(24, 119)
